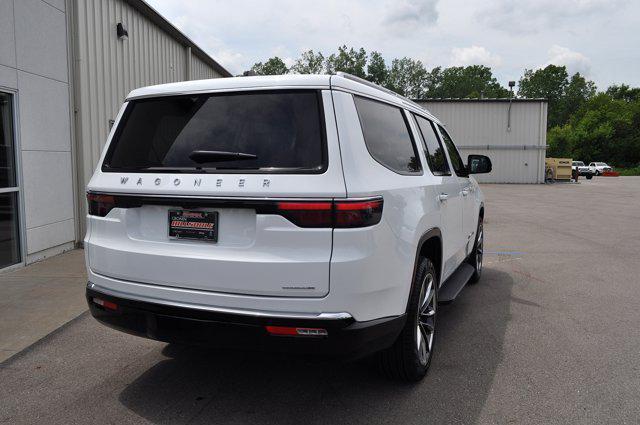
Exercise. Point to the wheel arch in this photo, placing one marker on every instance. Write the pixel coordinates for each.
(430, 246)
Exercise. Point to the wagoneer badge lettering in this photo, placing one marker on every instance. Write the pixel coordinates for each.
(139, 182)
(124, 180)
(219, 183)
(241, 183)
(158, 181)
(176, 182)
(197, 182)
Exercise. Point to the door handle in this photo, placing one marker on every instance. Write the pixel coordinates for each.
(443, 197)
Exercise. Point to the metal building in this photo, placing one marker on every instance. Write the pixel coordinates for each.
(513, 134)
(65, 68)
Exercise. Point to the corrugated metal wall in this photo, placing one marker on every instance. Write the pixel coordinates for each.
(200, 70)
(480, 127)
(108, 68)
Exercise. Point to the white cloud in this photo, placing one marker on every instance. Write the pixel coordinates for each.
(406, 15)
(574, 61)
(241, 32)
(474, 55)
(520, 17)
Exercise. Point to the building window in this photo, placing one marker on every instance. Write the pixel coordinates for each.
(9, 205)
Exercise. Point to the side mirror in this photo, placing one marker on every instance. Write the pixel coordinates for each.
(478, 164)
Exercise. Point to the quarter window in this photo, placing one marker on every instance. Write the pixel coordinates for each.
(456, 160)
(387, 136)
(433, 150)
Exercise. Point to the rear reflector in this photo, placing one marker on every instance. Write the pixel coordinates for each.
(293, 331)
(106, 304)
(99, 204)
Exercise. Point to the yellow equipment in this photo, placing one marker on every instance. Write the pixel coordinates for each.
(558, 168)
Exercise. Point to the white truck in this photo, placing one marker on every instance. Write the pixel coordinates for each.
(583, 170)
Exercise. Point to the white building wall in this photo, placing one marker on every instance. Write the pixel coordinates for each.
(34, 67)
(69, 74)
(480, 127)
(108, 68)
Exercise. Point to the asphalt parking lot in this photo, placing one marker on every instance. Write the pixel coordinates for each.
(551, 334)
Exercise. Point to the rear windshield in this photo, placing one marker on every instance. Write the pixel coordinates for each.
(269, 131)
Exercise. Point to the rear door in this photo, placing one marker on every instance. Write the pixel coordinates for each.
(235, 164)
(448, 193)
(469, 215)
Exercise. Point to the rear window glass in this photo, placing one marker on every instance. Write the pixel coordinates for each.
(270, 131)
(387, 136)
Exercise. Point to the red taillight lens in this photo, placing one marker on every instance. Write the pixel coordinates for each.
(338, 214)
(307, 214)
(100, 205)
(350, 214)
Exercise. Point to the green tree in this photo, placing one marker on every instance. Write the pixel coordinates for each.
(406, 77)
(348, 60)
(309, 62)
(560, 141)
(273, 66)
(472, 81)
(377, 70)
(603, 129)
(576, 94)
(624, 92)
(548, 83)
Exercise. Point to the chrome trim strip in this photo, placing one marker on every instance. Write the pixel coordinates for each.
(232, 198)
(253, 313)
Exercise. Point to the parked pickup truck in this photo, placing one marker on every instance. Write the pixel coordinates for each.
(599, 167)
(583, 170)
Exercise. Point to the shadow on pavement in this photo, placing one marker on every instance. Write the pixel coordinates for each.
(202, 386)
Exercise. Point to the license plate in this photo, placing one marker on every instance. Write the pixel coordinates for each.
(199, 225)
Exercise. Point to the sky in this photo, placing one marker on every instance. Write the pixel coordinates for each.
(598, 38)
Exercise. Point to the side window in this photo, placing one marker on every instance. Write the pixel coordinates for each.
(456, 160)
(433, 149)
(387, 136)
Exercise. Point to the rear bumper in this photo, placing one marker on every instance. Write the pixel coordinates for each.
(346, 338)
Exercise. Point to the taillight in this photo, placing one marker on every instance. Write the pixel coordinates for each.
(307, 214)
(358, 213)
(337, 214)
(100, 205)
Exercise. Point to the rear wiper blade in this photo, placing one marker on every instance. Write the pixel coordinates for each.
(202, 157)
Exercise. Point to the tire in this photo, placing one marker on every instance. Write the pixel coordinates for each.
(589, 176)
(409, 358)
(477, 254)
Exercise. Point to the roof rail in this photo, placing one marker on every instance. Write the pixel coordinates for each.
(378, 87)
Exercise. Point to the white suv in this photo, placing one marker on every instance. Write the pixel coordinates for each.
(598, 168)
(319, 214)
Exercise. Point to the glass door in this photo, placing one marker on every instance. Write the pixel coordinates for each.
(9, 187)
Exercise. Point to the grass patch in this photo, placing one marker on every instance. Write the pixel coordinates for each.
(635, 171)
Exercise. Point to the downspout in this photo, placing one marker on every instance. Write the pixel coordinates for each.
(74, 124)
